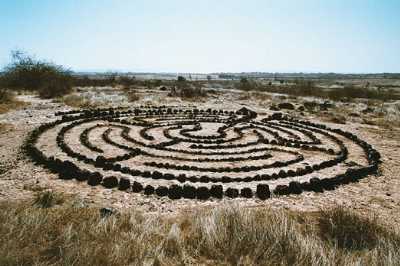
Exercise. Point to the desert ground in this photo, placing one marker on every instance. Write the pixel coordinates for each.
(376, 123)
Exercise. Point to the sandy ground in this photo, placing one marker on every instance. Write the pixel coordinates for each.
(19, 178)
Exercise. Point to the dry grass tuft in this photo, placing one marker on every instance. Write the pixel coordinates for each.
(132, 96)
(336, 118)
(4, 127)
(228, 235)
(8, 101)
(189, 93)
(382, 122)
(47, 199)
(78, 101)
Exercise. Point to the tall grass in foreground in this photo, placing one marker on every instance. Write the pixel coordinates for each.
(63, 233)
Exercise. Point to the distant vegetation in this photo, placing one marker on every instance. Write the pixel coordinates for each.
(53, 230)
(181, 78)
(304, 87)
(50, 80)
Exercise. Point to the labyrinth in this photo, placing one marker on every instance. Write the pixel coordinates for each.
(182, 152)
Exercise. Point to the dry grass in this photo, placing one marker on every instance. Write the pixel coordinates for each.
(47, 199)
(382, 122)
(261, 97)
(189, 93)
(244, 96)
(48, 233)
(78, 101)
(132, 96)
(9, 102)
(337, 119)
(347, 230)
(5, 127)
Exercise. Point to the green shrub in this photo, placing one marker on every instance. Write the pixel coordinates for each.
(27, 73)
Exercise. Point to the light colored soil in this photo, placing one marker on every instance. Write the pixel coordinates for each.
(20, 178)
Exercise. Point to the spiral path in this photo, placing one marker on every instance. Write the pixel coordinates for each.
(200, 153)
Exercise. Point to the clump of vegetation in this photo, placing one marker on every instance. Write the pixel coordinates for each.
(246, 85)
(133, 96)
(8, 101)
(27, 73)
(109, 79)
(192, 93)
(78, 101)
(47, 199)
(337, 119)
(6, 96)
(228, 235)
(188, 92)
(244, 96)
(305, 87)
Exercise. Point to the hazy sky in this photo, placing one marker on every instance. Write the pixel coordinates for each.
(205, 35)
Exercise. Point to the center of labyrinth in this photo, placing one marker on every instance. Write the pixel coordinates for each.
(194, 153)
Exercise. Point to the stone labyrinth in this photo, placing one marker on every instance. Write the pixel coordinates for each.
(200, 154)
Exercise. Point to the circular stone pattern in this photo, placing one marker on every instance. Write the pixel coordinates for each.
(200, 153)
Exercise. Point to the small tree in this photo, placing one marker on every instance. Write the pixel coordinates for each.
(181, 79)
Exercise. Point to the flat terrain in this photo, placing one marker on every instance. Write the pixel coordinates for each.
(380, 194)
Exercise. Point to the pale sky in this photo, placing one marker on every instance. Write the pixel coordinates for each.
(359, 36)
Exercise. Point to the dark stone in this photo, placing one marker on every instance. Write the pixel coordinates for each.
(286, 105)
(232, 192)
(281, 190)
(282, 174)
(203, 193)
(263, 192)
(216, 191)
(124, 183)
(306, 186)
(106, 212)
(189, 192)
(94, 179)
(204, 179)
(110, 182)
(175, 192)
(181, 178)
(100, 161)
(315, 184)
(246, 192)
(149, 190)
(328, 183)
(162, 191)
(295, 187)
(226, 179)
(137, 187)
(157, 175)
(83, 175)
